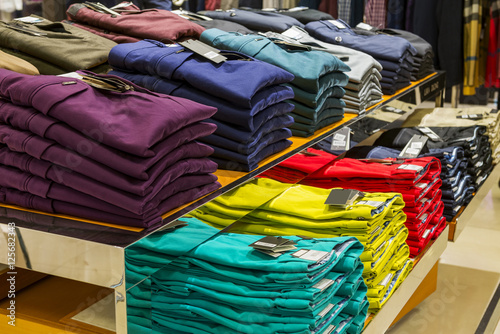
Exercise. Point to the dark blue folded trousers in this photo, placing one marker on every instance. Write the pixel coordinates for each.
(246, 137)
(250, 164)
(236, 80)
(261, 21)
(260, 141)
(245, 118)
(387, 47)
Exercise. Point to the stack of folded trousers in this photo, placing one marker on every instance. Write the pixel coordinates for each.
(395, 54)
(55, 47)
(424, 59)
(319, 77)
(363, 89)
(376, 220)
(416, 179)
(101, 148)
(298, 166)
(464, 117)
(151, 254)
(472, 139)
(367, 126)
(456, 182)
(224, 285)
(130, 24)
(252, 118)
(257, 21)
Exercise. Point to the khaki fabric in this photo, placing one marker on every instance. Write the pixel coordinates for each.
(60, 44)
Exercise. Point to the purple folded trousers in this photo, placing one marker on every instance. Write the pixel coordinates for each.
(131, 121)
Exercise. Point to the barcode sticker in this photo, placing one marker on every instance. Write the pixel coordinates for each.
(339, 136)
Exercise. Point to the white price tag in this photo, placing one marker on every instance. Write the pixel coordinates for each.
(311, 255)
(411, 167)
(29, 19)
(291, 33)
(338, 24)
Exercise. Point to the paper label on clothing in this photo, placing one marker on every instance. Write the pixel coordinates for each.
(364, 26)
(298, 9)
(204, 50)
(376, 204)
(426, 234)
(340, 248)
(454, 189)
(411, 167)
(274, 244)
(311, 255)
(343, 197)
(387, 279)
(479, 164)
(270, 253)
(471, 116)
(380, 247)
(339, 136)
(338, 24)
(375, 230)
(265, 244)
(300, 253)
(341, 140)
(413, 151)
(323, 284)
(429, 133)
(291, 33)
(456, 208)
(325, 311)
(414, 147)
(475, 156)
(73, 75)
(29, 19)
(330, 329)
(210, 55)
(459, 198)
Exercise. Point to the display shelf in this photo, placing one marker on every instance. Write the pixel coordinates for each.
(93, 252)
(384, 318)
(459, 222)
